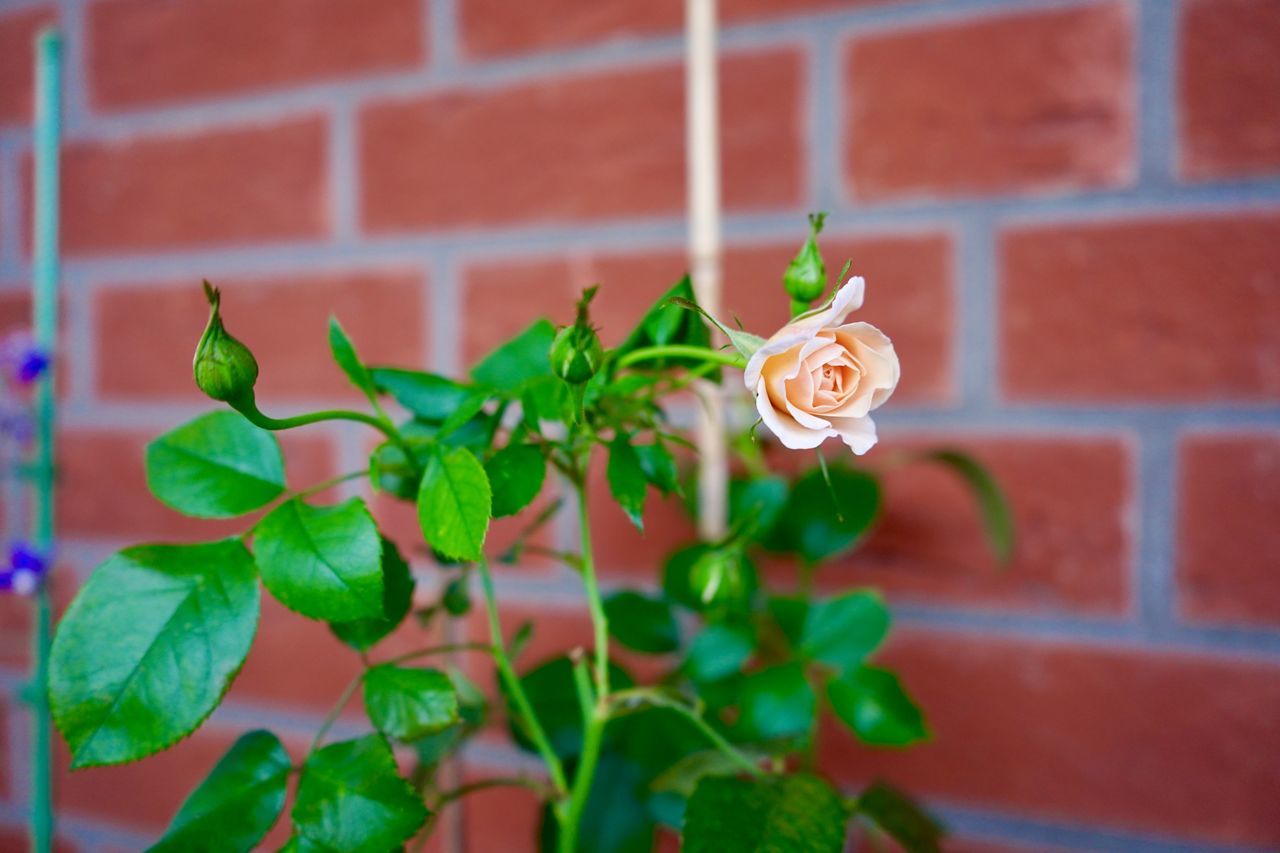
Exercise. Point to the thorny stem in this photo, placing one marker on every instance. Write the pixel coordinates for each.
(508, 675)
(593, 720)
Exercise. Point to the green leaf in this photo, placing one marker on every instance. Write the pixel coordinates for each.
(430, 397)
(899, 816)
(744, 342)
(842, 631)
(454, 504)
(777, 702)
(790, 612)
(515, 473)
(821, 521)
(324, 562)
(757, 502)
(791, 814)
(397, 597)
(526, 356)
(216, 466)
(408, 703)
(344, 353)
(642, 623)
(997, 516)
(667, 323)
(149, 646)
(659, 467)
(547, 398)
(351, 798)
(626, 478)
(239, 801)
(872, 703)
(718, 651)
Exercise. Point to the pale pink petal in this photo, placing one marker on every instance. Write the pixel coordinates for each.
(790, 433)
(848, 298)
(777, 344)
(858, 433)
(807, 420)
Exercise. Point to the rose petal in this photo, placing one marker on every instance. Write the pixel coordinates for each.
(858, 433)
(790, 433)
(848, 298)
(774, 346)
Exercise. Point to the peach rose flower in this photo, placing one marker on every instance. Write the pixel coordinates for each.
(819, 377)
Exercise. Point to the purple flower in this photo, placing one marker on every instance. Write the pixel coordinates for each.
(26, 569)
(24, 362)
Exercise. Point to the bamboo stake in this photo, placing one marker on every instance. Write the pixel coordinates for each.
(702, 122)
(45, 323)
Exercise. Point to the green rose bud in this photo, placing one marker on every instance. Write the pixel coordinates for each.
(576, 353)
(806, 276)
(718, 578)
(224, 368)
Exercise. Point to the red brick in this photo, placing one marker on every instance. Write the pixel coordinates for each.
(143, 796)
(5, 760)
(502, 818)
(494, 28)
(297, 664)
(1229, 87)
(909, 286)
(249, 184)
(625, 553)
(933, 112)
(1229, 492)
(17, 56)
(604, 145)
(14, 839)
(382, 310)
(16, 618)
(1073, 545)
(197, 50)
(557, 629)
(1173, 310)
(1160, 742)
(103, 490)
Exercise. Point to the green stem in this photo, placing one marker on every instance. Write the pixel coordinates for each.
(325, 485)
(437, 650)
(599, 622)
(682, 351)
(512, 682)
(249, 408)
(48, 120)
(593, 723)
(332, 716)
(718, 740)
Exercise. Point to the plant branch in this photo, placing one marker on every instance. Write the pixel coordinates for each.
(599, 622)
(508, 675)
(654, 697)
(681, 351)
(593, 722)
(249, 408)
(332, 716)
(437, 650)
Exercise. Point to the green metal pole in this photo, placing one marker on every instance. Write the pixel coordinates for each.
(45, 322)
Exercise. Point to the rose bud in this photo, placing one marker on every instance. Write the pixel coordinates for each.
(576, 353)
(224, 368)
(806, 276)
(717, 578)
(819, 377)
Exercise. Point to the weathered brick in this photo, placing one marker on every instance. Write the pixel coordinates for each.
(625, 553)
(909, 296)
(1073, 546)
(382, 310)
(17, 33)
(248, 184)
(932, 111)
(493, 28)
(216, 47)
(103, 490)
(15, 839)
(5, 761)
(1153, 741)
(1229, 500)
(1164, 309)
(605, 145)
(1229, 88)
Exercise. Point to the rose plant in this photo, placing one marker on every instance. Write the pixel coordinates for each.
(722, 747)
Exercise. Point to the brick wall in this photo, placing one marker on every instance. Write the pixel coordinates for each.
(1069, 217)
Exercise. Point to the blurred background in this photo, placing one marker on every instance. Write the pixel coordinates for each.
(1068, 215)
